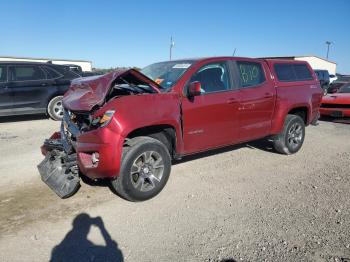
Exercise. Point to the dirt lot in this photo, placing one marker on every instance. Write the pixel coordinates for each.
(242, 203)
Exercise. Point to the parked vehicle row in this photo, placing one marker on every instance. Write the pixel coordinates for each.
(337, 104)
(33, 88)
(127, 126)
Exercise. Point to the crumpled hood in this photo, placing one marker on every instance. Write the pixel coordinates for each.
(88, 92)
(337, 98)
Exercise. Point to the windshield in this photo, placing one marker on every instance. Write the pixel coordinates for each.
(166, 74)
(344, 89)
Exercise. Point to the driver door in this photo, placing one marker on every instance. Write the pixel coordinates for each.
(210, 119)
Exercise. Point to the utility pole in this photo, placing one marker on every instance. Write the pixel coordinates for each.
(328, 43)
(172, 44)
(234, 52)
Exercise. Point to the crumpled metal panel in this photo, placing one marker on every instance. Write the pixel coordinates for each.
(87, 92)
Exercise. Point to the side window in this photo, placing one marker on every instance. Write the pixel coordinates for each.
(285, 72)
(326, 75)
(294, 72)
(250, 73)
(302, 72)
(213, 77)
(51, 73)
(26, 73)
(3, 74)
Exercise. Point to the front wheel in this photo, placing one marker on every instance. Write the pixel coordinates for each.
(290, 140)
(144, 171)
(55, 108)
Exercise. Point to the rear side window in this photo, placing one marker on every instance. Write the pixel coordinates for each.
(292, 72)
(51, 73)
(26, 73)
(250, 73)
(3, 74)
(302, 72)
(64, 70)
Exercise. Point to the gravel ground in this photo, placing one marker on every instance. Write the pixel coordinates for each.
(243, 203)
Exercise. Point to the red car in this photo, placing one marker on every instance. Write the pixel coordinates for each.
(128, 126)
(337, 104)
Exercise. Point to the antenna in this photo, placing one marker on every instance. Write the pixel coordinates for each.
(234, 52)
(172, 44)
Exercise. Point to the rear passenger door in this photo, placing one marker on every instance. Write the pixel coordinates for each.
(256, 100)
(28, 86)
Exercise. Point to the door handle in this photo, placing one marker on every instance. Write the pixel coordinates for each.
(231, 101)
(268, 95)
(44, 84)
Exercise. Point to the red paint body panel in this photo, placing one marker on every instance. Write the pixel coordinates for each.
(256, 108)
(204, 122)
(338, 101)
(108, 141)
(290, 95)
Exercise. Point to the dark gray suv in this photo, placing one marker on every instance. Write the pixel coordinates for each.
(323, 77)
(33, 88)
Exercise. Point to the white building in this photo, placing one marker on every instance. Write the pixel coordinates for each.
(314, 61)
(85, 65)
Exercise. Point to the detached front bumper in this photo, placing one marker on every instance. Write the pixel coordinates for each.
(59, 170)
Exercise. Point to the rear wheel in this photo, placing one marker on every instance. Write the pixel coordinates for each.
(55, 108)
(144, 171)
(290, 140)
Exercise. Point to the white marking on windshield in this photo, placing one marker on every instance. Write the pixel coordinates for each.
(182, 66)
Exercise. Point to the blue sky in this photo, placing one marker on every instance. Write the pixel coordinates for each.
(137, 33)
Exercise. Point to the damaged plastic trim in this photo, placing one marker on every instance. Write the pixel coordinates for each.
(59, 170)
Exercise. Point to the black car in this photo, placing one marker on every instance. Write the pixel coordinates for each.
(336, 85)
(323, 77)
(33, 88)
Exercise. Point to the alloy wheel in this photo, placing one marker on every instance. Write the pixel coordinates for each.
(295, 135)
(147, 171)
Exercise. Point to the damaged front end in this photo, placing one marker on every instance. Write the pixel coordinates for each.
(60, 169)
(86, 145)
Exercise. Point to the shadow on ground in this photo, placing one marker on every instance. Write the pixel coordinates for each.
(22, 118)
(76, 247)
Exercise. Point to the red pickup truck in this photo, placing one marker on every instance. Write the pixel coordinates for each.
(128, 126)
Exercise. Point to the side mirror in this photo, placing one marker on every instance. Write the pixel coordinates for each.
(194, 89)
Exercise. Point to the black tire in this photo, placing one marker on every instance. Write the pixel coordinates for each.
(290, 140)
(55, 108)
(135, 169)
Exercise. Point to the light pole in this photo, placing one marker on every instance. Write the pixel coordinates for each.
(328, 43)
(172, 44)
